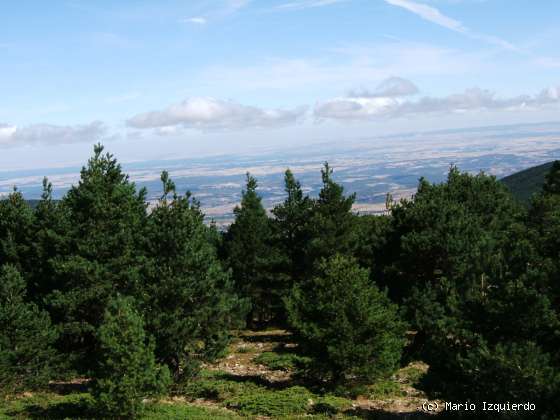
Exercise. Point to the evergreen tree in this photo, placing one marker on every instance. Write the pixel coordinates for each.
(189, 301)
(291, 231)
(106, 219)
(49, 229)
(346, 324)
(127, 372)
(16, 221)
(331, 223)
(371, 250)
(552, 180)
(250, 255)
(479, 298)
(460, 229)
(27, 358)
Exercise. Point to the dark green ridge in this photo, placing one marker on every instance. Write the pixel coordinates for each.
(525, 183)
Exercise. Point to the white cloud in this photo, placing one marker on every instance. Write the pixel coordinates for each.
(388, 88)
(307, 4)
(196, 20)
(471, 100)
(210, 113)
(430, 14)
(433, 15)
(11, 135)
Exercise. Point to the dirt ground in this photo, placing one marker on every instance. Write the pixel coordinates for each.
(407, 402)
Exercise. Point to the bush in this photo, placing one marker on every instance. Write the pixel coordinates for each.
(281, 361)
(346, 325)
(127, 373)
(26, 337)
(294, 400)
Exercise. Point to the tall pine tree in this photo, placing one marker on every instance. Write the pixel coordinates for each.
(106, 219)
(291, 229)
(331, 224)
(249, 254)
(189, 300)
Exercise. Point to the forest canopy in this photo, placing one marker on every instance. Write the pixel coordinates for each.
(460, 275)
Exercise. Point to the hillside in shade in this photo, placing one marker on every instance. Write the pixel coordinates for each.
(525, 183)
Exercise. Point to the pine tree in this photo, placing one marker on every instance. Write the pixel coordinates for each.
(291, 229)
(552, 180)
(346, 325)
(49, 229)
(479, 299)
(460, 229)
(250, 255)
(331, 223)
(106, 219)
(27, 358)
(16, 221)
(127, 372)
(189, 301)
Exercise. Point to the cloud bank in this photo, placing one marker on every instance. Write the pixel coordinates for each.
(393, 105)
(11, 135)
(210, 113)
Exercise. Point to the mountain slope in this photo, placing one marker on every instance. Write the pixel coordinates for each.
(525, 183)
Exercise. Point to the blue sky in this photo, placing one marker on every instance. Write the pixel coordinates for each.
(162, 79)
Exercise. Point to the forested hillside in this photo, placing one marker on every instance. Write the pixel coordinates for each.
(524, 184)
(131, 307)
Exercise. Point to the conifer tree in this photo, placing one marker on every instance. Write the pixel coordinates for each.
(459, 229)
(127, 372)
(479, 297)
(49, 228)
(250, 255)
(291, 230)
(544, 220)
(189, 301)
(552, 180)
(346, 324)
(27, 357)
(16, 221)
(106, 219)
(331, 223)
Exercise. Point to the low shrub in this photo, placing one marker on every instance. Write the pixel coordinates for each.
(281, 361)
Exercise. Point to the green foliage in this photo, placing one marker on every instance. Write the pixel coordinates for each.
(188, 299)
(463, 230)
(106, 218)
(552, 179)
(292, 231)
(49, 242)
(82, 406)
(44, 405)
(384, 389)
(346, 324)
(480, 299)
(27, 358)
(330, 405)
(249, 254)
(190, 412)
(127, 372)
(331, 222)
(281, 361)
(524, 184)
(294, 400)
(16, 221)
